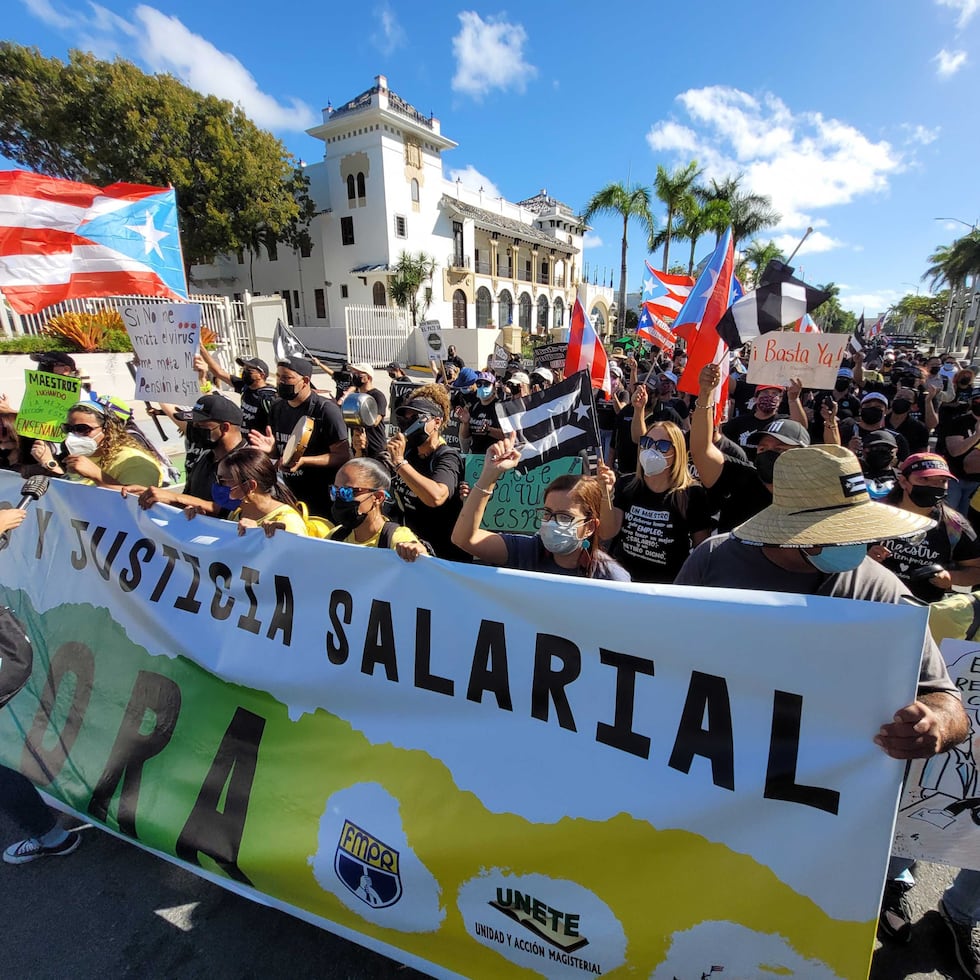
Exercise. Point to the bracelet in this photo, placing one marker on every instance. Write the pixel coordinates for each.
(707, 408)
(400, 464)
(489, 493)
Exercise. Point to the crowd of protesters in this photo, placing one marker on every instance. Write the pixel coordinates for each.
(670, 496)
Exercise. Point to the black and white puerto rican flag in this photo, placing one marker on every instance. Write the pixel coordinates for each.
(774, 305)
(559, 421)
(286, 344)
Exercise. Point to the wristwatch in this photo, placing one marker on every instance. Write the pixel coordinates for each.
(51, 465)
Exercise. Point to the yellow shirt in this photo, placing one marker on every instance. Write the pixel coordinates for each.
(131, 465)
(402, 535)
(289, 516)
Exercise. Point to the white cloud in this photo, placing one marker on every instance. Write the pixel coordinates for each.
(817, 242)
(802, 161)
(471, 178)
(591, 241)
(920, 134)
(948, 63)
(389, 35)
(967, 9)
(489, 54)
(165, 44)
(872, 302)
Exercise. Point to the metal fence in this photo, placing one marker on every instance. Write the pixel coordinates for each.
(375, 334)
(225, 317)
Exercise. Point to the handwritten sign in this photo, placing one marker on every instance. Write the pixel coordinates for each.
(551, 356)
(779, 356)
(517, 497)
(47, 398)
(165, 338)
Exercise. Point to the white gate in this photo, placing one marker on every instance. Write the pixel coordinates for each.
(376, 335)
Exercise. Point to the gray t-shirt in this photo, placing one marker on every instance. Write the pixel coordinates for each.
(724, 562)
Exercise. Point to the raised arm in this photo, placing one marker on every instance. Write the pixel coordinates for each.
(707, 457)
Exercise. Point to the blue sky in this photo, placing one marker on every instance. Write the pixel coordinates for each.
(858, 118)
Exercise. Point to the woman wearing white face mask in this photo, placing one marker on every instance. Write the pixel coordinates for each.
(657, 514)
(567, 542)
(101, 452)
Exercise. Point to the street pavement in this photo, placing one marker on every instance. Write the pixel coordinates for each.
(114, 910)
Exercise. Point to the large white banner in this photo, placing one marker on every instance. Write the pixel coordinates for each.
(473, 768)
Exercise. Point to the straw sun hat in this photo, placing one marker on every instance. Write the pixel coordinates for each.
(820, 499)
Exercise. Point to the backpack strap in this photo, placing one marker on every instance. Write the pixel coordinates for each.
(975, 625)
(387, 533)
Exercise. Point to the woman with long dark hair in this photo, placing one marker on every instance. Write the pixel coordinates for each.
(567, 542)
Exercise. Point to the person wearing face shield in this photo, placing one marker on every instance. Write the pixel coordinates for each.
(427, 472)
(947, 554)
(653, 517)
(567, 541)
(854, 433)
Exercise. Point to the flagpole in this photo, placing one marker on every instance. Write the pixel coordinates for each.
(809, 231)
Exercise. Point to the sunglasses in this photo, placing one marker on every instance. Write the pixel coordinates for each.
(79, 430)
(661, 445)
(347, 494)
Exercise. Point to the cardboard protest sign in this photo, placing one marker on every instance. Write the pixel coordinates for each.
(517, 497)
(782, 355)
(500, 358)
(312, 727)
(165, 338)
(44, 408)
(551, 356)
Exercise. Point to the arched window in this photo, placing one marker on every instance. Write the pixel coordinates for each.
(525, 318)
(350, 188)
(484, 302)
(361, 193)
(506, 308)
(542, 314)
(378, 291)
(459, 310)
(415, 191)
(559, 318)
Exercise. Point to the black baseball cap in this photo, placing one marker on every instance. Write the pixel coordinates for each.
(253, 362)
(55, 358)
(212, 408)
(302, 366)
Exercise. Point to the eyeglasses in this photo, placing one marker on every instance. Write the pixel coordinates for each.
(347, 494)
(79, 430)
(661, 445)
(561, 518)
(226, 483)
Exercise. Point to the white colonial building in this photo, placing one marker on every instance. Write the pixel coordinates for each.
(379, 191)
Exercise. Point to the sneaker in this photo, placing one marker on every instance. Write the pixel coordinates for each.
(966, 942)
(895, 917)
(32, 848)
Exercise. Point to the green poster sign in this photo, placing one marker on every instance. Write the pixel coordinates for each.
(47, 398)
(517, 497)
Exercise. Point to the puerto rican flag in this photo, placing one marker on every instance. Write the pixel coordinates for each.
(664, 294)
(651, 328)
(60, 239)
(876, 328)
(585, 351)
(806, 324)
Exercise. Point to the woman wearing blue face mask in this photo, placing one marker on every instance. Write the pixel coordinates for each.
(567, 542)
(657, 514)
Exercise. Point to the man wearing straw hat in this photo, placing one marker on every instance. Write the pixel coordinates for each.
(813, 540)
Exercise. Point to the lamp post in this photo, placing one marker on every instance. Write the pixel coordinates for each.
(960, 221)
(949, 325)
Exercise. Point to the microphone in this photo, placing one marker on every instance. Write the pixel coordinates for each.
(33, 489)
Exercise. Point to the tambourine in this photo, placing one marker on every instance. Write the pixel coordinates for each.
(298, 442)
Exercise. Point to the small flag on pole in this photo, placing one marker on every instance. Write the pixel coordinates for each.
(286, 344)
(664, 294)
(558, 421)
(652, 329)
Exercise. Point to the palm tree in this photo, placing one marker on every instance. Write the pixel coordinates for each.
(411, 272)
(674, 190)
(759, 256)
(698, 219)
(750, 213)
(627, 202)
(954, 263)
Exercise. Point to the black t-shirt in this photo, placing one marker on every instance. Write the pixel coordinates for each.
(626, 449)
(962, 424)
(739, 429)
(255, 404)
(914, 431)
(738, 495)
(377, 436)
(482, 418)
(310, 484)
(655, 538)
(432, 524)
(205, 475)
(850, 427)
(847, 408)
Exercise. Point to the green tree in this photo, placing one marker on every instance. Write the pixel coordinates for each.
(100, 122)
(758, 256)
(953, 264)
(699, 219)
(631, 202)
(748, 213)
(412, 271)
(830, 316)
(928, 312)
(675, 191)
